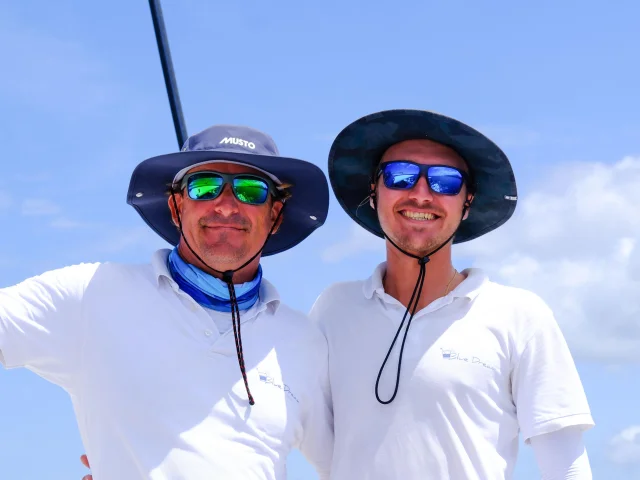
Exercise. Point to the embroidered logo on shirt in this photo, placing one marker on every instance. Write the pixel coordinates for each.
(269, 380)
(454, 355)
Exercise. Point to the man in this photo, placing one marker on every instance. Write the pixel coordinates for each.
(189, 367)
(478, 363)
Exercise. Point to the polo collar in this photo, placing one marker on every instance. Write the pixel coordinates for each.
(469, 288)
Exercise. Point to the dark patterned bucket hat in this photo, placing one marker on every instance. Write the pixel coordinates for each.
(357, 150)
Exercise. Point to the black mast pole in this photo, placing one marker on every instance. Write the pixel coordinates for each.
(167, 70)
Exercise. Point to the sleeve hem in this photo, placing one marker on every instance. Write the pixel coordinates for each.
(583, 420)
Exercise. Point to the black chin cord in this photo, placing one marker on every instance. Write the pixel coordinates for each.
(411, 307)
(235, 319)
(227, 277)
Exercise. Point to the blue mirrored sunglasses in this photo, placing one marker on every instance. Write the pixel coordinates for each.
(404, 174)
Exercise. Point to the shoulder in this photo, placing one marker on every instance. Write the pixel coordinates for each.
(133, 271)
(111, 276)
(338, 301)
(515, 299)
(519, 311)
(337, 294)
(136, 274)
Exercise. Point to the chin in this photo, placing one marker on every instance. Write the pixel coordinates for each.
(223, 253)
(420, 244)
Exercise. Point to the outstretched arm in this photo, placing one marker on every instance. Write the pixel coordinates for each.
(41, 323)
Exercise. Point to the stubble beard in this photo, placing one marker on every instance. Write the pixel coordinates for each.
(221, 255)
(409, 244)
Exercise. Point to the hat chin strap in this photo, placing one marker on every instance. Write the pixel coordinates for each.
(413, 302)
(227, 277)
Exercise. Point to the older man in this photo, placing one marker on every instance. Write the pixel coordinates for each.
(190, 366)
(482, 363)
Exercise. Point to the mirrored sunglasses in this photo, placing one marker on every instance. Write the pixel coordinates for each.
(404, 174)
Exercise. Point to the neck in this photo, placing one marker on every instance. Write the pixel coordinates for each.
(245, 274)
(402, 274)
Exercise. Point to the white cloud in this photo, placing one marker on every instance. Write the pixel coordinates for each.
(356, 240)
(36, 207)
(574, 241)
(624, 448)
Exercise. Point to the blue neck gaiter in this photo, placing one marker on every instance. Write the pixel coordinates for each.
(209, 291)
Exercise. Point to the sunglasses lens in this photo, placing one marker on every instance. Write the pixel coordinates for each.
(251, 190)
(445, 180)
(400, 175)
(204, 187)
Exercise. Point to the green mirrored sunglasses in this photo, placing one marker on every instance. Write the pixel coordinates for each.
(247, 188)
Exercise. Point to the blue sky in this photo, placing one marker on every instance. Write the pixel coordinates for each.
(83, 102)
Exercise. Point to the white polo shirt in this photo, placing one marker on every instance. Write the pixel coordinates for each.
(480, 366)
(157, 390)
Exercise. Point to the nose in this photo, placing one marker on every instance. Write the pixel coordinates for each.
(421, 192)
(226, 204)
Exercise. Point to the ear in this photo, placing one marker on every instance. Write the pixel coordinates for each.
(275, 211)
(467, 205)
(372, 194)
(172, 207)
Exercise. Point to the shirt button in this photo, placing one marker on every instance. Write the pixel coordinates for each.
(207, 333)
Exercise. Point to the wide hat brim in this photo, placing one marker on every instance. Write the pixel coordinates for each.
(305, 211)
(358, 148)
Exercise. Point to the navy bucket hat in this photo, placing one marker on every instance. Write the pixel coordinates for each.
(357, 150)
(306, 209)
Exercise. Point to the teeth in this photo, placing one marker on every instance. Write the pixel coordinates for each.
(419, 215)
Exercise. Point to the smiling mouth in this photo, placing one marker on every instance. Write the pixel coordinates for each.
(224, 227)
(420, 216)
